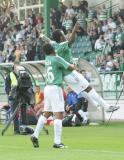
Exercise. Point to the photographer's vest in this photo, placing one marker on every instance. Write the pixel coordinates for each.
(14, 81)
(37, 98)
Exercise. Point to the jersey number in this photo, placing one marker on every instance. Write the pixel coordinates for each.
(50, 76)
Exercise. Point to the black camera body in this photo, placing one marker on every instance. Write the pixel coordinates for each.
(24, 80)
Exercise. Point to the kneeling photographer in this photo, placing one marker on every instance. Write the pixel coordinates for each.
(76, 109)
(18, 87)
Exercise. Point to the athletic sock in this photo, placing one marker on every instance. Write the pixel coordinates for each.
(57, 131)
(73, 118)
(39, 126)
(91, 99)
(84, 115)
(81, 113)
(97, 98)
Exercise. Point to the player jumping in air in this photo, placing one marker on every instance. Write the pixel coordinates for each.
(74, 79)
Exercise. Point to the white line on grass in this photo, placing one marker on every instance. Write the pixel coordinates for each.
(72, 150)
(96, 151)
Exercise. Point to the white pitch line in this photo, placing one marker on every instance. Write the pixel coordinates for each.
(95, 151)
(72, 150)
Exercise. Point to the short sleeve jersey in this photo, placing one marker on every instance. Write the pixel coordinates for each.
(54, 66)
(63, 50)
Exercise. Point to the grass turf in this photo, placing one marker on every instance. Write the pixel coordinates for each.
(84, 143)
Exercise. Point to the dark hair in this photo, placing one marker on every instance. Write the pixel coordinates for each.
(56, 36)
(48, 49)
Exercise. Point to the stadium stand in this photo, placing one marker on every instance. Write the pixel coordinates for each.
(21, 41)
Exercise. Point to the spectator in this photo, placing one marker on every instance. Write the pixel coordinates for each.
(70, 11)
(104, 27)
(2, 58)
(67, 23)
(39, 100)
(111, 24)
(62, 8)
(23, 55)
(81, 19)
(18, 53)
(103, 13)
(99, 43)
(39, 19)
(39, 50)
(109, 64)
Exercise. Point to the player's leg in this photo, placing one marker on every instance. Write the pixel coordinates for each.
(40, 125)
(85, 111)
(82, 105)
(43, 118)
(58, 130)
(92, 95)
(78, 83)
(58, 110)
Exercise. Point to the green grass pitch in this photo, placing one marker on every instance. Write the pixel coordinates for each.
(84, 143)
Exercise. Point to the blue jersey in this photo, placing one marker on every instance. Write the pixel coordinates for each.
(71, 99)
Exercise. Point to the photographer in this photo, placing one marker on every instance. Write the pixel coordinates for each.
(18, 87)
(74, 110)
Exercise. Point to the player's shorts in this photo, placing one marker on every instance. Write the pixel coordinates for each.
(76, 81)
(53, 99)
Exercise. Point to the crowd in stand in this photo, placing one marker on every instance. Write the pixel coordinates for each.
(104, 33)
(20, 41)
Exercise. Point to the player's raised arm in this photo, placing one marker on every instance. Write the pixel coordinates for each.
(46, 39)
(75, 29)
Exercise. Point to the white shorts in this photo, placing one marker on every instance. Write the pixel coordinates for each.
(76, 81)
(53, 99)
